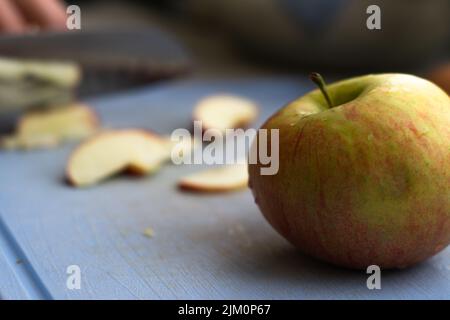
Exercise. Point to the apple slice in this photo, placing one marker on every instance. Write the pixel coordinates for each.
(71, 122)
(48, 128)
(29, 142)
(181, 149)
(225, 112)
(111, 152)
(226, 178)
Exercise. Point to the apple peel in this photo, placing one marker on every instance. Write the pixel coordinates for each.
(222, 179)
(225, 112)
(363, 180)
(112, 152)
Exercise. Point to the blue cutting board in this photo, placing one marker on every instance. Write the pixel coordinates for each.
(204, 246)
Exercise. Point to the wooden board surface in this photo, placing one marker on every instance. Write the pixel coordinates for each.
(205, 246)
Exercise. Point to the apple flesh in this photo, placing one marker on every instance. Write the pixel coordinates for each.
(222, 179)
(111, 152)
(366, 181)
(181, 148)
(223, 112)
(48, 128)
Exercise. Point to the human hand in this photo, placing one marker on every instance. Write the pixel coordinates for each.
(17, 16)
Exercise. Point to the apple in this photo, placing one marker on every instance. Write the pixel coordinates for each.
(221, 179)
(364, 175)
(50, 127)
(16, 142)
(114, 151)
(223, 112)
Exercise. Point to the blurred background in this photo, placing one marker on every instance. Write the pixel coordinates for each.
(123, 44)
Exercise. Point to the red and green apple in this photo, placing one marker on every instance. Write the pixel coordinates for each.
(364, 172)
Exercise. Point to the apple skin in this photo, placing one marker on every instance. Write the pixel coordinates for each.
(367, 181)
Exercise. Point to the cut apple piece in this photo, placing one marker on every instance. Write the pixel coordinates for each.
(111, 152)
(71, 122)
(182, 148)
(226, 178)
(29, 142)
(225, 112)
(148, 232)
(48, 128)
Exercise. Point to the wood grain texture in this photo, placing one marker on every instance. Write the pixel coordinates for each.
(204, 246)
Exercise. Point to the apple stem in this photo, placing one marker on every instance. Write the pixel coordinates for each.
(318, 80)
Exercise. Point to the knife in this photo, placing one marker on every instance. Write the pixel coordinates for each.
(109, 60)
